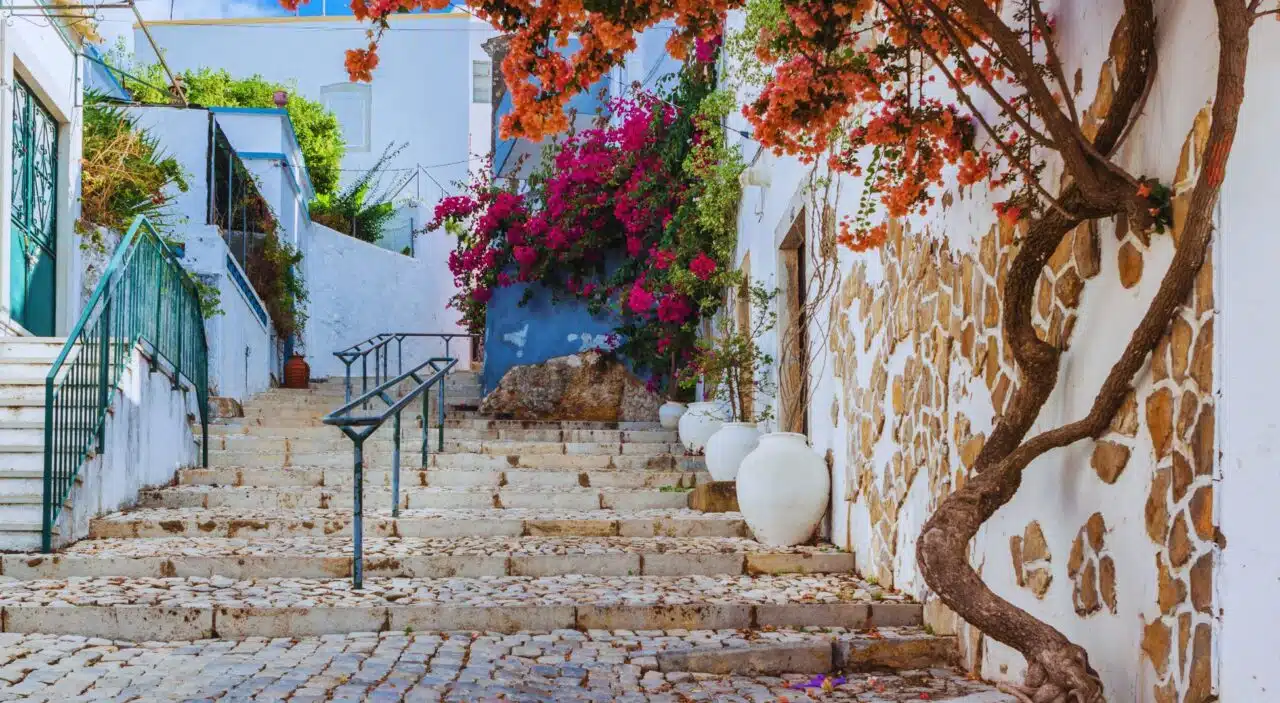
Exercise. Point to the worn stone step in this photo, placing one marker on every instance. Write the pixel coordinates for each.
(198, 608)
(551, 498)
(885, 649)
(381, 457)
(597, 665)
(488, 522)
(239, 476)
(232, 431)
(494, 447)
(470, 557)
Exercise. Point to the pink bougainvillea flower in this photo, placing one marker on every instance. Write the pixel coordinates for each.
(525, 256)
(702, 266)
(482, 295)
(674, 308)
(634, 246)
(664, 343)
(639, 300)
(662, 259)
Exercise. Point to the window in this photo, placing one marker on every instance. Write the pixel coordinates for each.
(481, 82)
(351, 103)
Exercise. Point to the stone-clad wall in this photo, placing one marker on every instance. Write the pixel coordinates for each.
(924, 372)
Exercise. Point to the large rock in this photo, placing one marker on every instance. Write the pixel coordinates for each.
(589, 386)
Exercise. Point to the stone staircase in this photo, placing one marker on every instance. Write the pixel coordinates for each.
(24, 363)
(551, 538)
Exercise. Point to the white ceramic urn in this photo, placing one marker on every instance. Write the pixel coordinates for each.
(728, 447)
(669, 414)
(698, 424)
(783, 487)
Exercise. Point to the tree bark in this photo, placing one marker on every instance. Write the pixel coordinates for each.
(1059, 670)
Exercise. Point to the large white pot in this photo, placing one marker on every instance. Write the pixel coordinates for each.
(669, 414)
(698, 424)
(729, 446)
(783, 488)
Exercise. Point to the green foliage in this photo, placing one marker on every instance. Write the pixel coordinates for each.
(124, 173)
(745, 68)
(733, 364)
(274, 275)
(358, 210)
(319, 134)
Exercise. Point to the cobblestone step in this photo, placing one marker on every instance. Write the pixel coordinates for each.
(381, 458)
(471, 557)
(221, 522)
(599, 666)
(233, 431)
(608, 478)
(197, 608)
(333, 441)
(551, 498)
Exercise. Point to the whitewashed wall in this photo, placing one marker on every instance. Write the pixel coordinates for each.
(358, 290)
(1060, 490)
(39, 53)
(149, 437)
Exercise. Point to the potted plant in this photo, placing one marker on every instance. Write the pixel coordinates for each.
(734, 365)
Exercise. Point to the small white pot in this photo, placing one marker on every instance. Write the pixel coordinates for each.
(783, 487)
(698, 424)
(728, 447)
(669, 414)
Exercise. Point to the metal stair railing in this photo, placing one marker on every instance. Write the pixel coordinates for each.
(358, 427)
(144, 297)
(379, 347)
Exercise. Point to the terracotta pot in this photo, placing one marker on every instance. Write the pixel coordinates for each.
(297, 374)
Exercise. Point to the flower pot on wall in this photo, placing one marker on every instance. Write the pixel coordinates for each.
(698, 424)
(729, 446)
(783, 487)
(670, 413)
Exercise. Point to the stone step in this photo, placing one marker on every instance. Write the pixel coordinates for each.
(417, 665)
(18, 432)
(233, 431)
(23, 369)
(227, 476)
(42, 348)
(24, 461)
(478, 497)
(494, 447)
(468, 557)
(199, 608)
(487, 522)
(382, 458)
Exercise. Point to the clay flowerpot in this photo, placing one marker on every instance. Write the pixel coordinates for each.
(783, 487)
(729, 446)
(669, 414)
(699, 423)
(297, 373)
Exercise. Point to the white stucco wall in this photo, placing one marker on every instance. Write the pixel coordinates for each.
(1060, 490)
(38, 52)
(358, 290)
(148, 438)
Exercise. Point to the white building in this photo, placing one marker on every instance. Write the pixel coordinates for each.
(429, 93)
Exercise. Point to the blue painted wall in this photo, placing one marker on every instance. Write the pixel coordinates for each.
(538, 331)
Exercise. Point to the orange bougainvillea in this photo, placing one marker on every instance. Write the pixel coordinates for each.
(861, 84)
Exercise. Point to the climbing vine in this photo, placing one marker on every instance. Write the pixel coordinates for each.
(635, 217)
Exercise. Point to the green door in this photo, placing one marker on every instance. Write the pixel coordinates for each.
(33, 236)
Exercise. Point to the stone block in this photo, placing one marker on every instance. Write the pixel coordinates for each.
(896, 614)
(433, 499)
(242, 622)
(437, 566)
(763, 660)
(866, 654)
(505, 618)
(577, 500)
(489, 527)
(616, 564)
(626, 501)
(676, 564)
(125, 622)
(766, 563)
(850, 615)
(715, 497)
(701, 616)
(574, 528)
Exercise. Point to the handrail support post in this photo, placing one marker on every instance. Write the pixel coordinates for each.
(395, 470)
(357, 522)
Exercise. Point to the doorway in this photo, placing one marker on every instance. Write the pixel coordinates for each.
(793, 376)
(33, 216)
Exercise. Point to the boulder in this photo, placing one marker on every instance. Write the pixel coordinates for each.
(591, 386)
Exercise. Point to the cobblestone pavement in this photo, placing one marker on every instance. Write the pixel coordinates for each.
(482, 592)
(561, 666)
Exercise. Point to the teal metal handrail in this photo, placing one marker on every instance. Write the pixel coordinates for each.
(358, 427)
(144, 296)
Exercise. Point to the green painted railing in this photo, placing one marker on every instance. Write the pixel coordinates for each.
(145, 298)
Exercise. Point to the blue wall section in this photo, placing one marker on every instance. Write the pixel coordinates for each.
(540, 330)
